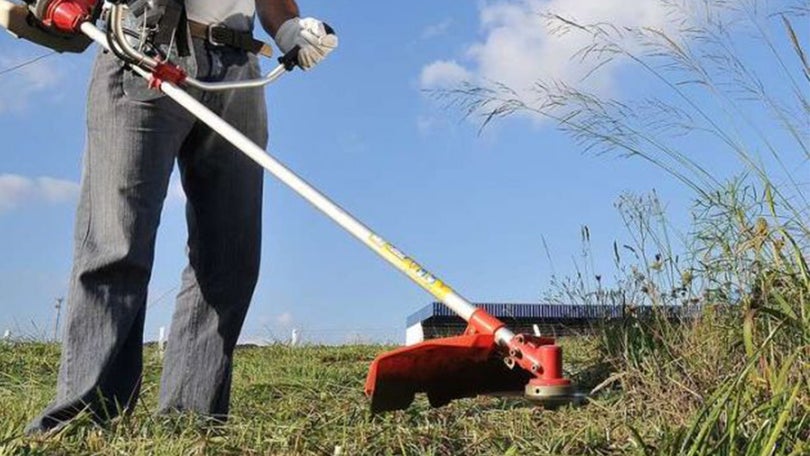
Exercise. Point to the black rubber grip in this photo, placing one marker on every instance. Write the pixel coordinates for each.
(290, 59)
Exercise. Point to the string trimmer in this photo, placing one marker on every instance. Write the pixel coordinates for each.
(487, 359)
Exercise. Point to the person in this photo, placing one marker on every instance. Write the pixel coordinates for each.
(135, 135)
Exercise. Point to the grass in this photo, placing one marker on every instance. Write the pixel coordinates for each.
(307, 400)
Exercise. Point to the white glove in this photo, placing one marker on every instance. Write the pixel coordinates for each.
(310, 35)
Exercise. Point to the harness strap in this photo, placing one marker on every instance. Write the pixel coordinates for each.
(172, 24)
(220, 35)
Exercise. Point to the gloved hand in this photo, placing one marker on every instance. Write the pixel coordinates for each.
(310, 35)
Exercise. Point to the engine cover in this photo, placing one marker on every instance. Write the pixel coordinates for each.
(56, 30)
(64, 16)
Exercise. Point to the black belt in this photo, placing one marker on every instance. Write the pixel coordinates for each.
(220, 35)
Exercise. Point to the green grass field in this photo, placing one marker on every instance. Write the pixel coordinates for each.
(684, 398)
(310, 400)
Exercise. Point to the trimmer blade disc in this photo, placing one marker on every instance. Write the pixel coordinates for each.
(554, 396)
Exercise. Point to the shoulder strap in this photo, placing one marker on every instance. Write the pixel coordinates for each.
(173, 25)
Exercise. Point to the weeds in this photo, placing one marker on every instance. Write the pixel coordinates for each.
(730, 374)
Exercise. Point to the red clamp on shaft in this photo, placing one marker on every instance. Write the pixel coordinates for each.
(481, 322)
(166, 72)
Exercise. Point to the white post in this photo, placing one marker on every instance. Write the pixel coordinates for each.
(537, 330)
(58, 307)
(162, 339)
(294, 338)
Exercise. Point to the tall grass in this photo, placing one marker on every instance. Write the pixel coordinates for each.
(733, 376)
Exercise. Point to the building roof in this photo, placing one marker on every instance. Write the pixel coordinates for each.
(524, 311)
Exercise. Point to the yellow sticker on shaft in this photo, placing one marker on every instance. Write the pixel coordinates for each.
(411, 268)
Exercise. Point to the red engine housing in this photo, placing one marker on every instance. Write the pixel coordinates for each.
(65, 16)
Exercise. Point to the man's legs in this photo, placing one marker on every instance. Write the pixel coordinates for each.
(224, 191)
(129, 157)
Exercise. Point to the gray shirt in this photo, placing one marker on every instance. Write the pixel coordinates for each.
(236, 14)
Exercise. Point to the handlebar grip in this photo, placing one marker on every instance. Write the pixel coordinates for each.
(290, 59)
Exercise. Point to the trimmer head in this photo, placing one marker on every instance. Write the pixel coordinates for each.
(554, 396)
(457, 367)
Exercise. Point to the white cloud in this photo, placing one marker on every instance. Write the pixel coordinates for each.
(20, 85)
(16, 191)
(519, 46)
(436, 30)
(442, 74)
(284, 319)
(57, 190)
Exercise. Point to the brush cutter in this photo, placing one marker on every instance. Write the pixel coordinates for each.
(487, 359)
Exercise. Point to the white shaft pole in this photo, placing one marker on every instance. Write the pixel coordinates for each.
(406, 265)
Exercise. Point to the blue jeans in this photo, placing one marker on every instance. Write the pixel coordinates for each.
(133, 143)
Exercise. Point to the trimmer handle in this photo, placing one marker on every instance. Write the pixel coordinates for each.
(290, 59)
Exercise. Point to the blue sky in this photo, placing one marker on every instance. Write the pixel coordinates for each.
(473, 208)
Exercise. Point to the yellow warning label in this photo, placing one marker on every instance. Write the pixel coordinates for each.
(411, 268)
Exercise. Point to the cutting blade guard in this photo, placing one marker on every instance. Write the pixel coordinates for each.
(445, 369)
